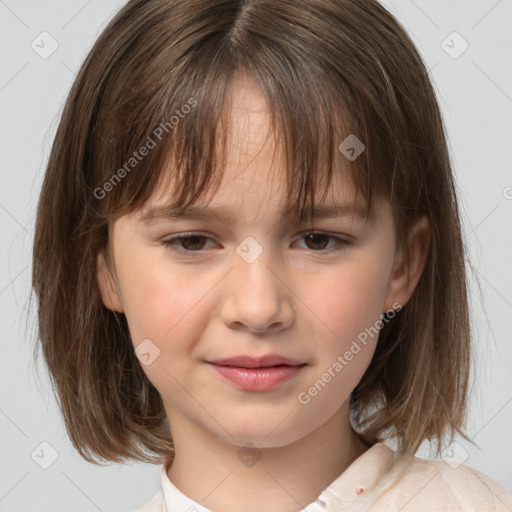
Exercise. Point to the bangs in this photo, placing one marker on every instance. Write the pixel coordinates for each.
(175, 128)
(187, 149)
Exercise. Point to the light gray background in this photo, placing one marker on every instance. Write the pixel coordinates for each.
(475, 93)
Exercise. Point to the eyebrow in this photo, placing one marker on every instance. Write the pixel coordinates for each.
(169, 212)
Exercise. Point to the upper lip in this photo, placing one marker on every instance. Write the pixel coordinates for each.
(256, 362)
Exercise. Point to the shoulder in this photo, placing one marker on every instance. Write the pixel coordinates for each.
(154, 505)
(421, 484)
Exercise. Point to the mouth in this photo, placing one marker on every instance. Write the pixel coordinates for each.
(266, 361)
(257, 373)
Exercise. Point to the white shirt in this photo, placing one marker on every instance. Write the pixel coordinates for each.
(377, 481)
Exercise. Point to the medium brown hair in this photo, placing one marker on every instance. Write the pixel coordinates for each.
(159, 77)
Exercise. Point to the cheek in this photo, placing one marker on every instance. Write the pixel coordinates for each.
(348, 303)
(167, 307)
(348, 299)
(160, 300)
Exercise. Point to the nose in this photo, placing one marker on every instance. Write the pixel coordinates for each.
(257, 297)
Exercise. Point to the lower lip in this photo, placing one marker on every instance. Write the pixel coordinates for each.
(258, 379)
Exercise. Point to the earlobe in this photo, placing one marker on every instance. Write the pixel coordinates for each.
(406, 274)
(107, 287)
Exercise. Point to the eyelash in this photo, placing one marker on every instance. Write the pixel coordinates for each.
(171, 243)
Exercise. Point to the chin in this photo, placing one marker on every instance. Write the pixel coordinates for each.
(266, 433)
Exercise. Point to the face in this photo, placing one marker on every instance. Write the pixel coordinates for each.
(250, 282)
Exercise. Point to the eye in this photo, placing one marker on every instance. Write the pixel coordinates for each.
(193, 240)
(317, 241)
(194, 243)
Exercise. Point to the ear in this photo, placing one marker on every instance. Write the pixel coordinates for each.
(406, 274)
(108, 290)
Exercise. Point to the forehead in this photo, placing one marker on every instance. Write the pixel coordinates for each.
(240, 197)
(253, 190)
(255, 156)
(254, 174)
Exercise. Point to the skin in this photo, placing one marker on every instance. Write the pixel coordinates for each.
(296, 299)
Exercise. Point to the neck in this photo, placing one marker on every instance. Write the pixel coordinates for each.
(228, 478)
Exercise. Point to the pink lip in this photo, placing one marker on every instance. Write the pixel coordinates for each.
(257, 373)
(256, 362)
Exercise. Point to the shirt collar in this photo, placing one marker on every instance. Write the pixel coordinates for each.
(359, 478)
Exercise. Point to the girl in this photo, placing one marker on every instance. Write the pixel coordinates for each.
(249, 265)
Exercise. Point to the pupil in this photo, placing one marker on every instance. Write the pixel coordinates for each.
(194, 241)
(314, 236)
